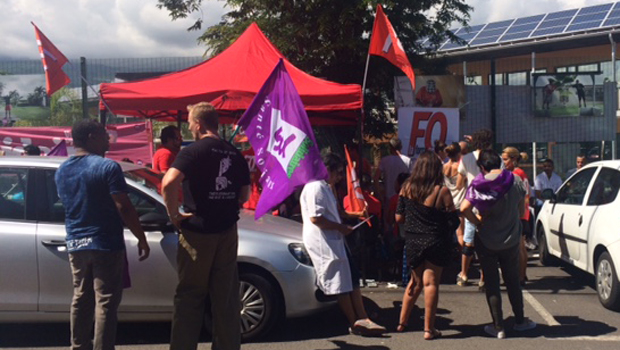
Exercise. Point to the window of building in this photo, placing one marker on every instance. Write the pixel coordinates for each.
(499, 79)
(594, 67)
(518, 78)
(474, 80)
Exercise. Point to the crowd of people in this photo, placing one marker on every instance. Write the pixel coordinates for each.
(446, 207)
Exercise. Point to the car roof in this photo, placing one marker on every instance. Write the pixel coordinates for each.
(615, 164)
(49, 162)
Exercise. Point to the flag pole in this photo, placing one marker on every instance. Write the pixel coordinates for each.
(360, 150)
(93, 90)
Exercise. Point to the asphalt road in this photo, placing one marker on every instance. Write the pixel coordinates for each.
(561, 300)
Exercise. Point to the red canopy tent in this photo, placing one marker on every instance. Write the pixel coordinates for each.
(230, 81)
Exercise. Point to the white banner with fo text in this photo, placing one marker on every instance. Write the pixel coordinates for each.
(418, 128)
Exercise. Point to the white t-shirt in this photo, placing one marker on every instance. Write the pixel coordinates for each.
(543, 182)
(325, 247)
(468, 166)
(391, 166)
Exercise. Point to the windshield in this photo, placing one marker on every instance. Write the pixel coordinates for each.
(146, 178)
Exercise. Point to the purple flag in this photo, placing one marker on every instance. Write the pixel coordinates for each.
(59, 150)
(278, 129)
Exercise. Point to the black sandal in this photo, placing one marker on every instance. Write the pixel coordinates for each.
(434, 334)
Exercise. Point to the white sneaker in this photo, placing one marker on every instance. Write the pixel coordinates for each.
(490, 330)
(526, 325)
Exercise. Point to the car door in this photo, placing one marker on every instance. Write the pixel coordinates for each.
(604, 214)
(567, 214)
(153, 281)
(55, 278)
(18, 267)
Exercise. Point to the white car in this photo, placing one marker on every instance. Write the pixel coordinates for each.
(277, 278)
(580, 224)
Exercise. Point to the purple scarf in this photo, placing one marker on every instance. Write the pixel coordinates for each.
(483, 193)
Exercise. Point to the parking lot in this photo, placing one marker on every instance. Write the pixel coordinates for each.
(560, 299)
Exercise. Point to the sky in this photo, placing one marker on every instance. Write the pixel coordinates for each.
(137, 28)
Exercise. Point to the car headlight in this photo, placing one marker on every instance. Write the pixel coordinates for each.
(299, 253)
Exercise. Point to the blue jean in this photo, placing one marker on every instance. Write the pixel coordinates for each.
(470, 232)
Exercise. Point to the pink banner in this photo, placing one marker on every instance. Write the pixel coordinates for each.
(126, 141)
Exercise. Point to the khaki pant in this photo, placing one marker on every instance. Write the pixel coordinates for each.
(207, 265)
(97, 292)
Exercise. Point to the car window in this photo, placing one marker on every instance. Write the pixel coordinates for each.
(56, 211)
(574, 190)
(605, 188)
(145, 204)
(13, 193)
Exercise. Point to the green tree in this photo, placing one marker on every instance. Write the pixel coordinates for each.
(35, 98)
(330, 39)
(14, 97)
(66, 107)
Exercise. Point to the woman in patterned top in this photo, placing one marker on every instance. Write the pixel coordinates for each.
(426, 208)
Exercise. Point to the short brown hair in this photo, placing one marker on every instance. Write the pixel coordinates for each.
(205, 112)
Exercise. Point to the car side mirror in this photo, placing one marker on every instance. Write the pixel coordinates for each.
(155, 222)
(549, 195)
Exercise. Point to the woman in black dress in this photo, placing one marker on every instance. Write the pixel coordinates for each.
(425, 207)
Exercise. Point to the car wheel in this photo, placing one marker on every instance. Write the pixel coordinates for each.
(260, 306)
(607, 286)
(543, 252)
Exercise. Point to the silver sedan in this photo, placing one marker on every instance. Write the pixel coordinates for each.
(277, 278)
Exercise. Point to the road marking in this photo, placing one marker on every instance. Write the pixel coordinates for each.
(548, 317)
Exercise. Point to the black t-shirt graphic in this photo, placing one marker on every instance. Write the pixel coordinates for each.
(214, 173)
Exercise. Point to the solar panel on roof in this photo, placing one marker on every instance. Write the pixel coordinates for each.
(523, 28)
(561, 14)
(590, 18)
(612, 22)
(487, 40)
(495, 25)
(614, 13)
(583, 26)
(474, 28)
(515, 36)
(554, 23)
(548, 31)
(531, 19)
(595, 9)
(495, 32)
(551, 24)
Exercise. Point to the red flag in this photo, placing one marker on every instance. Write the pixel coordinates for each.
(354, 191)
(385, 43)
(53, 60)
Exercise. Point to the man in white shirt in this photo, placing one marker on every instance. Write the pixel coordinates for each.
(548, 179)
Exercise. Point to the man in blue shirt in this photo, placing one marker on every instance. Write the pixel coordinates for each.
(94, 194)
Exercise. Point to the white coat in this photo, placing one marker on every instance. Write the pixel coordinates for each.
(326, 247)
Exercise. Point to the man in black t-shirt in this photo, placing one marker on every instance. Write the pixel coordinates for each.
(216, 182)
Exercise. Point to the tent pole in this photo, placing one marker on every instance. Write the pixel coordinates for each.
(179, 119)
